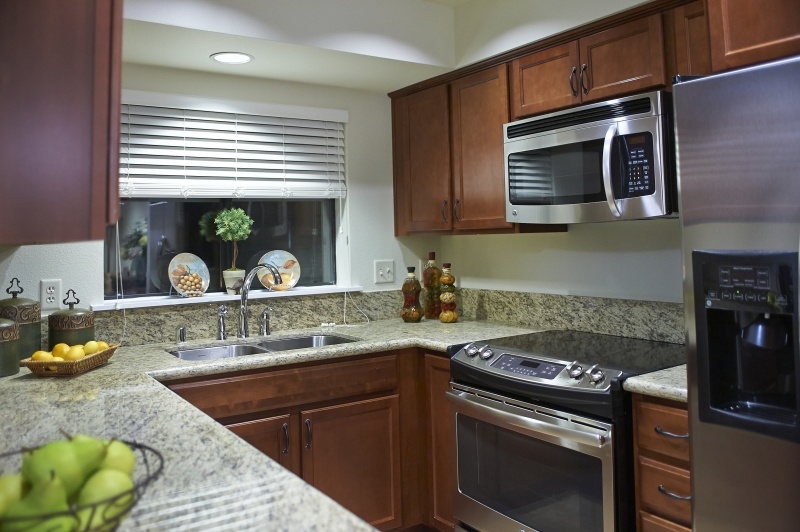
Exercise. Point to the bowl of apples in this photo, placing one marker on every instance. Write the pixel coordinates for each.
(79, 483)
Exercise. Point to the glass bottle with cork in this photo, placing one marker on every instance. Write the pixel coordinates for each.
(447, 295)
(430, 281)
(412, 310)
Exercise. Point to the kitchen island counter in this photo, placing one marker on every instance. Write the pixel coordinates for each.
(211, 477)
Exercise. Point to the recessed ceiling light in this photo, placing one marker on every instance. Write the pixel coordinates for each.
(232, 58)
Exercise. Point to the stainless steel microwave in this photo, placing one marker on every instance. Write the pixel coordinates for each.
(600, 162)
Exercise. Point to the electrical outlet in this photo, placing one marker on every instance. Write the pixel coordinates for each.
(384, 271)
(50, 294)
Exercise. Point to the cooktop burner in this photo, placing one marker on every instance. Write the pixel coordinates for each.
(631, 356)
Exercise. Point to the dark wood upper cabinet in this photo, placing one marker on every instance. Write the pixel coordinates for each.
(686, 41)
(421, 146)
(751, 31)
(59, 133)
(622, 59)
(479, 108)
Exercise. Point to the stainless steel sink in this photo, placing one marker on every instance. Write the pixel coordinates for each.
(218, 351)
(303, 342)
(266, 346)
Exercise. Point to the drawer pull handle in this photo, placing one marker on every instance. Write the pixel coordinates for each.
(285, 439)
(671, 495)
(444, 206)
(310, 434)
(663, 432)
(571, 85)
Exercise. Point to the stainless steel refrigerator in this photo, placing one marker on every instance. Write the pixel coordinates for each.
(738, 163)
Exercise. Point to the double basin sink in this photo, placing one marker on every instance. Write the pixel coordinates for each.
(265, 346)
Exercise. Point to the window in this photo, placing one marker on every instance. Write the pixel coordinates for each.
(178, 164)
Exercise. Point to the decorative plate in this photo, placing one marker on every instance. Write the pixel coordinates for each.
(188, 275)
(287, 266)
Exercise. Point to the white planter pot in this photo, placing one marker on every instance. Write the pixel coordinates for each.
(234, 279)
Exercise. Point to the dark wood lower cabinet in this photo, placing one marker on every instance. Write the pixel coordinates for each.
(351, 452)
(374, 433)
(441, 443)
(274, 436)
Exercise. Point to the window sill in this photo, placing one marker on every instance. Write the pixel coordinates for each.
(163, 301)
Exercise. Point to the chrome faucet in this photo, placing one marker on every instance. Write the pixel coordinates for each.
(276, 279)
(221, 312)
(265, 321)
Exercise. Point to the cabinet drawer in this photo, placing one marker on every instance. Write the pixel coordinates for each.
(662, 429)
(656, 482)
(653, 523)
(260, 392)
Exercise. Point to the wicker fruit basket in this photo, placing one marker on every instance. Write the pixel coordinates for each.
(67, 368)
(105, 515)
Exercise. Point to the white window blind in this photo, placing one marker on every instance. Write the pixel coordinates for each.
(170, 152)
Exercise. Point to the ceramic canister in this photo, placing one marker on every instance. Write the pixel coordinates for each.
(26, 313)
(70, 326)
(9, 348)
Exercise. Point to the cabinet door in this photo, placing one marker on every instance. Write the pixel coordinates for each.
(422, 172)
(276, 437)
(441, 443)
(626, 58)
(750, 31)
(479, 108)
(59, 133)
(686, 43)
(545, 81)
(351, 452)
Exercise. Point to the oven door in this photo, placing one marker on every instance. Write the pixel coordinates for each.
(521, 467)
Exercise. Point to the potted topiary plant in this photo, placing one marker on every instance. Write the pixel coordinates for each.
(233, 225)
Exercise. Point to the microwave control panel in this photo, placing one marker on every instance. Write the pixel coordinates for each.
(637, 165)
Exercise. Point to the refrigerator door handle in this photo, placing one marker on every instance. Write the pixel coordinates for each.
(607, 146)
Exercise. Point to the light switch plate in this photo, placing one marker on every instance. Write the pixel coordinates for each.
(384, 271)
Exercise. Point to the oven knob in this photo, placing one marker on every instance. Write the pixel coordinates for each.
(595, 374)
(575, 370)
(487, 353)
(472, 350)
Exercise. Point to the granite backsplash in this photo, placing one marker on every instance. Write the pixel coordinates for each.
(650, 320)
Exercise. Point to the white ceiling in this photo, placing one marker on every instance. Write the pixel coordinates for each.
(375, 45)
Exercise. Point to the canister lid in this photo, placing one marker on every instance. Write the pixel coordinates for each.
(9, 330)
(72, 317)
(19, 309)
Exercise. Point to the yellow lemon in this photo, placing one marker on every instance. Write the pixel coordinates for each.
(75, 353)
(41, 355)
(91, 347)
(55, 359)
(59, 350)
(102, 346)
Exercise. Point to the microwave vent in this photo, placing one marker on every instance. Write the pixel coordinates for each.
(579, 117)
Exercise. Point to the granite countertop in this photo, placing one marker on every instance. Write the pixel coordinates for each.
(211, 477)
(667, 383)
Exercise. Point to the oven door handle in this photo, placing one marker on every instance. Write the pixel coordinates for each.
(608, 144)
(466, 404)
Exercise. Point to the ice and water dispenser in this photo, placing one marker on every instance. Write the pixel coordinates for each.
(747, 340)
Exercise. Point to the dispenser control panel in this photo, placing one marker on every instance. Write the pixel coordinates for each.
(758, 278)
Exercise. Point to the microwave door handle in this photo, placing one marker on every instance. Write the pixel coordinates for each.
(607, 184)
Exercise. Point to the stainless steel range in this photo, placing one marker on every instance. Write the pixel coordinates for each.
(543, 430)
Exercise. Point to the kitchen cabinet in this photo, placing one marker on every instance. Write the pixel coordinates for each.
(751, 31)
(661, 449)
(448, 156)
(626, 58)
(59, 136)
(336, 424)
(686, 41)
(441, 442)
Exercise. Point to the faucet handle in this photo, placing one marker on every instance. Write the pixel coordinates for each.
(265, 321)
(180, 335)
(222, 310)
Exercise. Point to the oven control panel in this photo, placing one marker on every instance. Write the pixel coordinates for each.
(528, 366)
(519, 365)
